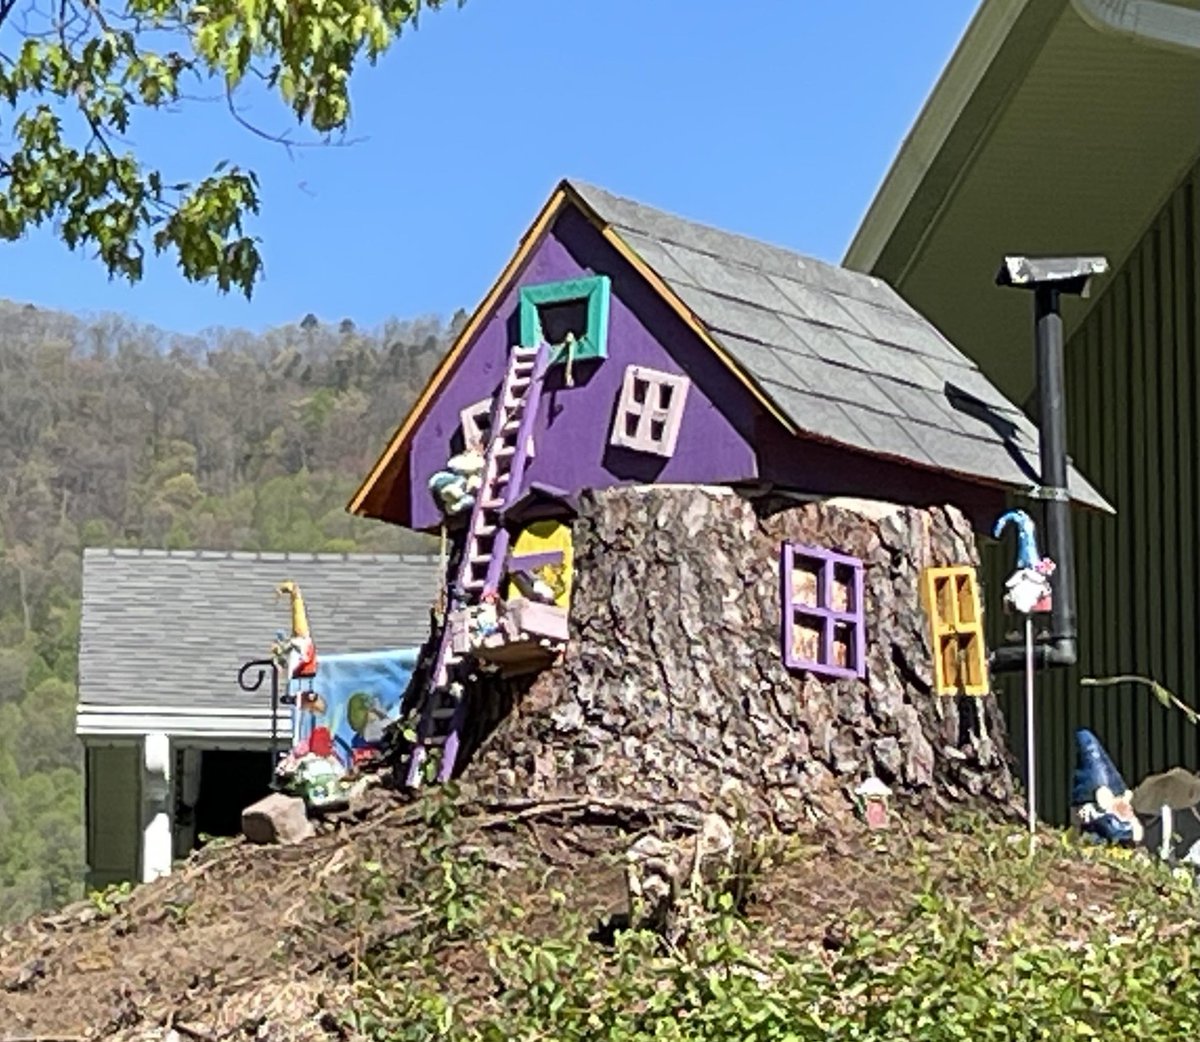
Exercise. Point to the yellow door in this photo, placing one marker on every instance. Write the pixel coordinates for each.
(542, 537)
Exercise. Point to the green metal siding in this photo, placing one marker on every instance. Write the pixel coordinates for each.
(1132, 384)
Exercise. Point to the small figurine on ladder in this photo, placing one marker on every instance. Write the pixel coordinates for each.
(1028, 592)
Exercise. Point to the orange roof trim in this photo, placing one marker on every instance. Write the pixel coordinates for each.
(371, 498)
(363, 501)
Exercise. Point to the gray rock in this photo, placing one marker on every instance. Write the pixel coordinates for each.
(277, 819)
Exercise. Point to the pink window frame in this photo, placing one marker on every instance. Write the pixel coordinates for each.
(647, 411)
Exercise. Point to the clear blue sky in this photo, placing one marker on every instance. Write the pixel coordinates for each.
(774, 118)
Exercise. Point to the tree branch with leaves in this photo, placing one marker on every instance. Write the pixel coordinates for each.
(76, 74)
(1165, 697)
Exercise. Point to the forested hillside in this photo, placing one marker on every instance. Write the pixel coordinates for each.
(114, 434)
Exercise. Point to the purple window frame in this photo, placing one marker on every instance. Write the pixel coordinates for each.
(828, 618)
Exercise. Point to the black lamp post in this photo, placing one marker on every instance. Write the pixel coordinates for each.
(1050, 278)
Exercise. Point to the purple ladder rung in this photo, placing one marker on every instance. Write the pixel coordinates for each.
(517, 467)
(512, 418)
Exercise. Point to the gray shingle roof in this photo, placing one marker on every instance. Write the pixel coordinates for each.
(172, 628)
(840, 353)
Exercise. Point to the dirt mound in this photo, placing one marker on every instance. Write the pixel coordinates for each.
(268, 943)
(245, 941)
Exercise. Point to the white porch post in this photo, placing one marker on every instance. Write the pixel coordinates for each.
(156, 807)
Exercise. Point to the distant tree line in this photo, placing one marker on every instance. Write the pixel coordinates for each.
(118, 434)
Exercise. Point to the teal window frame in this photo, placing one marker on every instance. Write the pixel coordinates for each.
(595, 289)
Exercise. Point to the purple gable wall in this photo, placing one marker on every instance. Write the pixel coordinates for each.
(739, 442)
(574, 423)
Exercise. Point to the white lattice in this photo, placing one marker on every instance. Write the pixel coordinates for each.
(650, 411)
(475, 421)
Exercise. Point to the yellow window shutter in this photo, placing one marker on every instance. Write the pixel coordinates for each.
(951, 598)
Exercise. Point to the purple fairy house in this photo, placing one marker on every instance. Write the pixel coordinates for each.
(622, 346)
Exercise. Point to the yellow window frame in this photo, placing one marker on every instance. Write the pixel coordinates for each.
(951, 599)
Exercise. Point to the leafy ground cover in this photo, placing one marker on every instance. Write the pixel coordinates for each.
(459, 917)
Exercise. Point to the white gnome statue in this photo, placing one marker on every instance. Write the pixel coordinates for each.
(1028, 589)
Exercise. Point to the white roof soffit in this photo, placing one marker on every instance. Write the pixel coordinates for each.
(100, 721)
(993, 47)
(1059, 127)
(1145, 21)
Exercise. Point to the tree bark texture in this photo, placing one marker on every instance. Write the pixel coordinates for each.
(674, 681)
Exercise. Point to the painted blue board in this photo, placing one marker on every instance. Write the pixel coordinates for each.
(358, 696)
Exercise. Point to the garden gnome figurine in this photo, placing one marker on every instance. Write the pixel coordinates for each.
(1103, 803)
(455, 487)
(873, 802)
(1027, 590)
(300, 651)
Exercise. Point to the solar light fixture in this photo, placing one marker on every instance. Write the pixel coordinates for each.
(1072, 275)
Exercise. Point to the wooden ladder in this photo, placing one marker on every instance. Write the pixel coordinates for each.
(481, 566)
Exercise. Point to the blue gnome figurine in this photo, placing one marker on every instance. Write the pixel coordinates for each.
(1102, 801)
(1027, 590)
(455, 487)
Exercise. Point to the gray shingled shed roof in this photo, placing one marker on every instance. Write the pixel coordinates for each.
(166, 628)
(839, 353)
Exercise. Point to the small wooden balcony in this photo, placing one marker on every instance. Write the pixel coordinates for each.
(513, 637)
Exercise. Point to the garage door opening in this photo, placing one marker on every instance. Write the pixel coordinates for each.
(230, 780)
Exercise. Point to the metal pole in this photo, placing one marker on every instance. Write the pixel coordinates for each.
(1052, 451)
(1030, 745)
(252, 683)
(274, 750)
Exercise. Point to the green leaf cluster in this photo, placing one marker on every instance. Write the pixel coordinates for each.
(972, 937)
(86, 72)
(939, 978)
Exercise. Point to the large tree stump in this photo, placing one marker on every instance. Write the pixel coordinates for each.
(674, 681)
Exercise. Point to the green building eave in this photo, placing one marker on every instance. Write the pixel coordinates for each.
(1058, 126)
